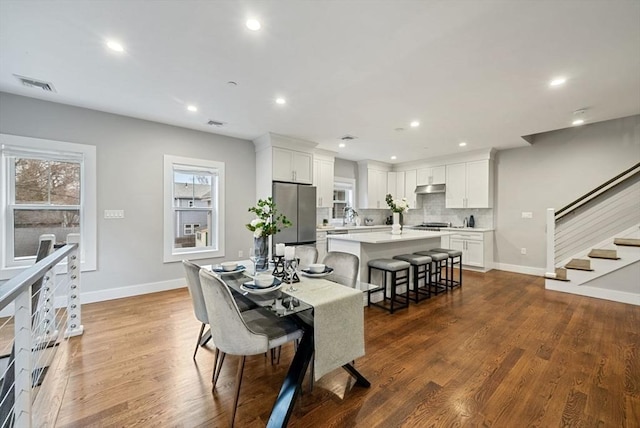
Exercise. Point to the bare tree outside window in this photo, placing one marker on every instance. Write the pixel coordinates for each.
(47, 200)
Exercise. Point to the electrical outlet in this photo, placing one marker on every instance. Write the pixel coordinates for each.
(527, 214)
(523, 251)
(240, 253)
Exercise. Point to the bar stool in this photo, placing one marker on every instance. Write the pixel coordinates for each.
(417, 261)
(453, 255)
(392, 267)
(438, 262)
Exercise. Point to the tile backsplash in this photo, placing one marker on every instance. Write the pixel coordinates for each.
(431, 208)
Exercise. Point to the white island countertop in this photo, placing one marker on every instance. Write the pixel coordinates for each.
(387, 237)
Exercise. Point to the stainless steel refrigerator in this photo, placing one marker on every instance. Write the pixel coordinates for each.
(298, 203)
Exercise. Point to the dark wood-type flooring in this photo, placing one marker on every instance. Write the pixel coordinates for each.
(500, 352)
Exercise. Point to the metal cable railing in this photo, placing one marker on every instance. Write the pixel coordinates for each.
(608, 209)
(34, 327)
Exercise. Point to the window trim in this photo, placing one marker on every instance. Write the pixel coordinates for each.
(343, 183)
(38, 148)
(194, 253)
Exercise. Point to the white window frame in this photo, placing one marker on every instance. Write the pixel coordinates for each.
(11, 145)
(348, 184)
(171, 254)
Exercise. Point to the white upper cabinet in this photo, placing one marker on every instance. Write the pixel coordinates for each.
(372, 182)
(395, 184)
(410, 183)
(323, 180)
(469, 185)
(292, 166)
(433, 175)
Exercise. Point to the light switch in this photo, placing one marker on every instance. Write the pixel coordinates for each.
(527, 214)
(112, 214)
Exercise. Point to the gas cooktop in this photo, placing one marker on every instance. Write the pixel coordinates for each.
(431, 226)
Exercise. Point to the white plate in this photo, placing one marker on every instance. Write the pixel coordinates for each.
(316, 275)
(260, 290)
(219, 271)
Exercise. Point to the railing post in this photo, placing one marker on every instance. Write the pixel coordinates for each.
(74, 313)
(551, 243)
(23, 361)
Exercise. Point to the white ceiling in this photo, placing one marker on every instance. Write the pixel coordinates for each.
(474, 71)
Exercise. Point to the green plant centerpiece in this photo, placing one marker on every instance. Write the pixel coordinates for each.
(268, 221)
(397, 206)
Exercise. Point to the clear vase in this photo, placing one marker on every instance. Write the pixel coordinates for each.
(262, 252)
(396, 229)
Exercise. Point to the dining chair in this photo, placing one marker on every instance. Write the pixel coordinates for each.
(252, 332)
(345, 267)
(307, 255)
(199, 309)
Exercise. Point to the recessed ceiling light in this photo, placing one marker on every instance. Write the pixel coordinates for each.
(415, 124)
(115, 46)
(342, 145)
(462, 144)
(281, 101)
(253, 24)
(577, 122)
(558, 81)
(393, 157)
(192, 108)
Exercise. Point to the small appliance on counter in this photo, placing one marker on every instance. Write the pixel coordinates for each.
(472, 222)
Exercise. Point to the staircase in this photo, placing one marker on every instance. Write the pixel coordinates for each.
(593, 244)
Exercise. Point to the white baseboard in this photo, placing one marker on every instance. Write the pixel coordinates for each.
(599, 293)
(528, 270)
(132, 290)
(112, 293)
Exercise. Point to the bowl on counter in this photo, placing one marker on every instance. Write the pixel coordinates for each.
(229, 266)
(316, 267)
(368, 222)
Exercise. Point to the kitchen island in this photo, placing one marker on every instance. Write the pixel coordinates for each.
(378, 245)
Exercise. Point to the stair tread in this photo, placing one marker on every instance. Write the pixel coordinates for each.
(579, 264)
(559, 279)
(561, 273)
(597, 253)
(629, 242)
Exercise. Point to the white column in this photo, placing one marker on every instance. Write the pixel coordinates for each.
(551, 244)
(23, 362)
(74, 314)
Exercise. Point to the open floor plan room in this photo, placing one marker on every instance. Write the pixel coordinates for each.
(499, 351)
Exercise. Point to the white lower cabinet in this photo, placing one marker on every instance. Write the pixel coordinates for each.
(476, 247)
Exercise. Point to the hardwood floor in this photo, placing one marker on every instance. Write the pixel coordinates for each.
(502, 352)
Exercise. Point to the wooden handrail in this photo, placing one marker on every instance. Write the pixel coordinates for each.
(609, 184)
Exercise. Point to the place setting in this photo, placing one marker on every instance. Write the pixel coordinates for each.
(261, 284)
(316, 270)
(227, 268)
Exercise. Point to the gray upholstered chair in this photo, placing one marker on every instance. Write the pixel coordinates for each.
(195, 291)
(307, 255)
(241, 333)
(345, 267)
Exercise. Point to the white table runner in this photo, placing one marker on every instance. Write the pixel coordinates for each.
(338, 322)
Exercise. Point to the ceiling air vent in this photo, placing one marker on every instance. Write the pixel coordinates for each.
(215, 123)
(348, 137)
(34, 83)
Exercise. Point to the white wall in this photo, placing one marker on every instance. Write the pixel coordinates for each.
(130, 161)
(559, 167)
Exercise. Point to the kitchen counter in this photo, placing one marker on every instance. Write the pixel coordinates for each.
(376, 245)
(459, 229)
(339, 228)
(387, 237)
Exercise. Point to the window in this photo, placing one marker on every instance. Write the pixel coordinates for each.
(343, 196)
(193, 216)
(48, 188)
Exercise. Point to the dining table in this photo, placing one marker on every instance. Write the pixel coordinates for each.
(333, 339)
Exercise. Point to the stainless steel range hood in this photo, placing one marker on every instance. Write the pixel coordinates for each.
(430, 188)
